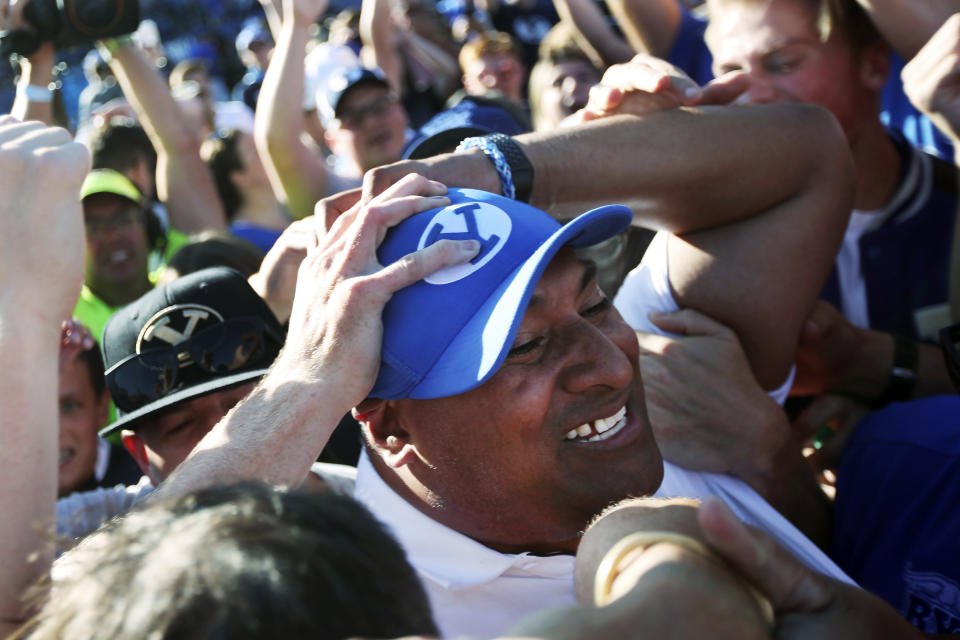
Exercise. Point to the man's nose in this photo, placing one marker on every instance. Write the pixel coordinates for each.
(761, 90)
(595, 360)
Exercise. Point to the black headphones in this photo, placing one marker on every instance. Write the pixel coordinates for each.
(156, 235)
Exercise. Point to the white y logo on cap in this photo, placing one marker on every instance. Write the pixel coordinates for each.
(485, 223)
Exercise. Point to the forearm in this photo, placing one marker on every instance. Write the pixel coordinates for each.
(184, 183)
(297, 174)
(272, 10)
(274, 435)
(683, 170)
(908, 24)
(650, 26)
(378, 32)
(593, 32)
(36, 71)
(28, 461)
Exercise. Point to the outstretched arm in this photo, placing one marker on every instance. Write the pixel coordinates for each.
(184, 183)
(297, 172)
(330, 360)
(718, 178)
(41, 266)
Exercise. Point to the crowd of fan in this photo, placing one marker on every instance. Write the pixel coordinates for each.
(316, 338)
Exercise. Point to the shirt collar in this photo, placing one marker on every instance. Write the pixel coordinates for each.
(439, 552)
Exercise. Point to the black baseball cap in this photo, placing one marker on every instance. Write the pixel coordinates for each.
(201, 333)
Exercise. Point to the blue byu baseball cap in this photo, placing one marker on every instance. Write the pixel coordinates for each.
(450, 332)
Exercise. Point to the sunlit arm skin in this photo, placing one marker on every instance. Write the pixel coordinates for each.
(297, 173)
(184, 184)
(715, 177)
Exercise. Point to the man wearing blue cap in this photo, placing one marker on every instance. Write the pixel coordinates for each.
(508, 408)
(551, 354)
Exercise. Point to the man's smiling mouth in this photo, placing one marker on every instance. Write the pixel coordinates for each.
(599, 429)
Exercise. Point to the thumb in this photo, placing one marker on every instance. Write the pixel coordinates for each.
(725, 89)
(688, 322)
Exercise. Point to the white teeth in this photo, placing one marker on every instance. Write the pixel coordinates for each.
(602, 428)
(605, 424)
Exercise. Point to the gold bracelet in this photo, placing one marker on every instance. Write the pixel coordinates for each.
(609, 567)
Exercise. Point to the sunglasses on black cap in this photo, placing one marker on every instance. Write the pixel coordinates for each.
(219, 350)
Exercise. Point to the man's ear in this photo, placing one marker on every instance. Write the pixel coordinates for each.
(135, 447)
(385, 432)
(874, 66)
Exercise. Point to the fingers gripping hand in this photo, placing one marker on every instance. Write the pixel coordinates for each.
(335, 326)
(646, 84)
(707, 410)
(41, 232)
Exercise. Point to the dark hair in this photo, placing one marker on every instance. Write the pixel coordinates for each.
(120, 144)
(222, 154)
(216, 249)
(242, 561)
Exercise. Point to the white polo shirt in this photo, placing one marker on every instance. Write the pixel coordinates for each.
(481, 593)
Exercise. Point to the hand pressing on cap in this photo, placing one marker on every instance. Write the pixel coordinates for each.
(335, 325)
(648, 84)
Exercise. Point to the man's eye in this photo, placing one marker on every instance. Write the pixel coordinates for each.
(596, 309)
(176, 429)
(526, 348)
(782, 65)
(69, 406)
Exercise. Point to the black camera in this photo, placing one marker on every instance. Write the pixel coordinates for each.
(68, 23)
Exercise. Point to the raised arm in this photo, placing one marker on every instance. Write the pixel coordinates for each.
(297, 172)
(379, 34)
(650, 26)
(34, 99)
(41, 266)
(184, 183)
(908, 24)
(593, 31)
